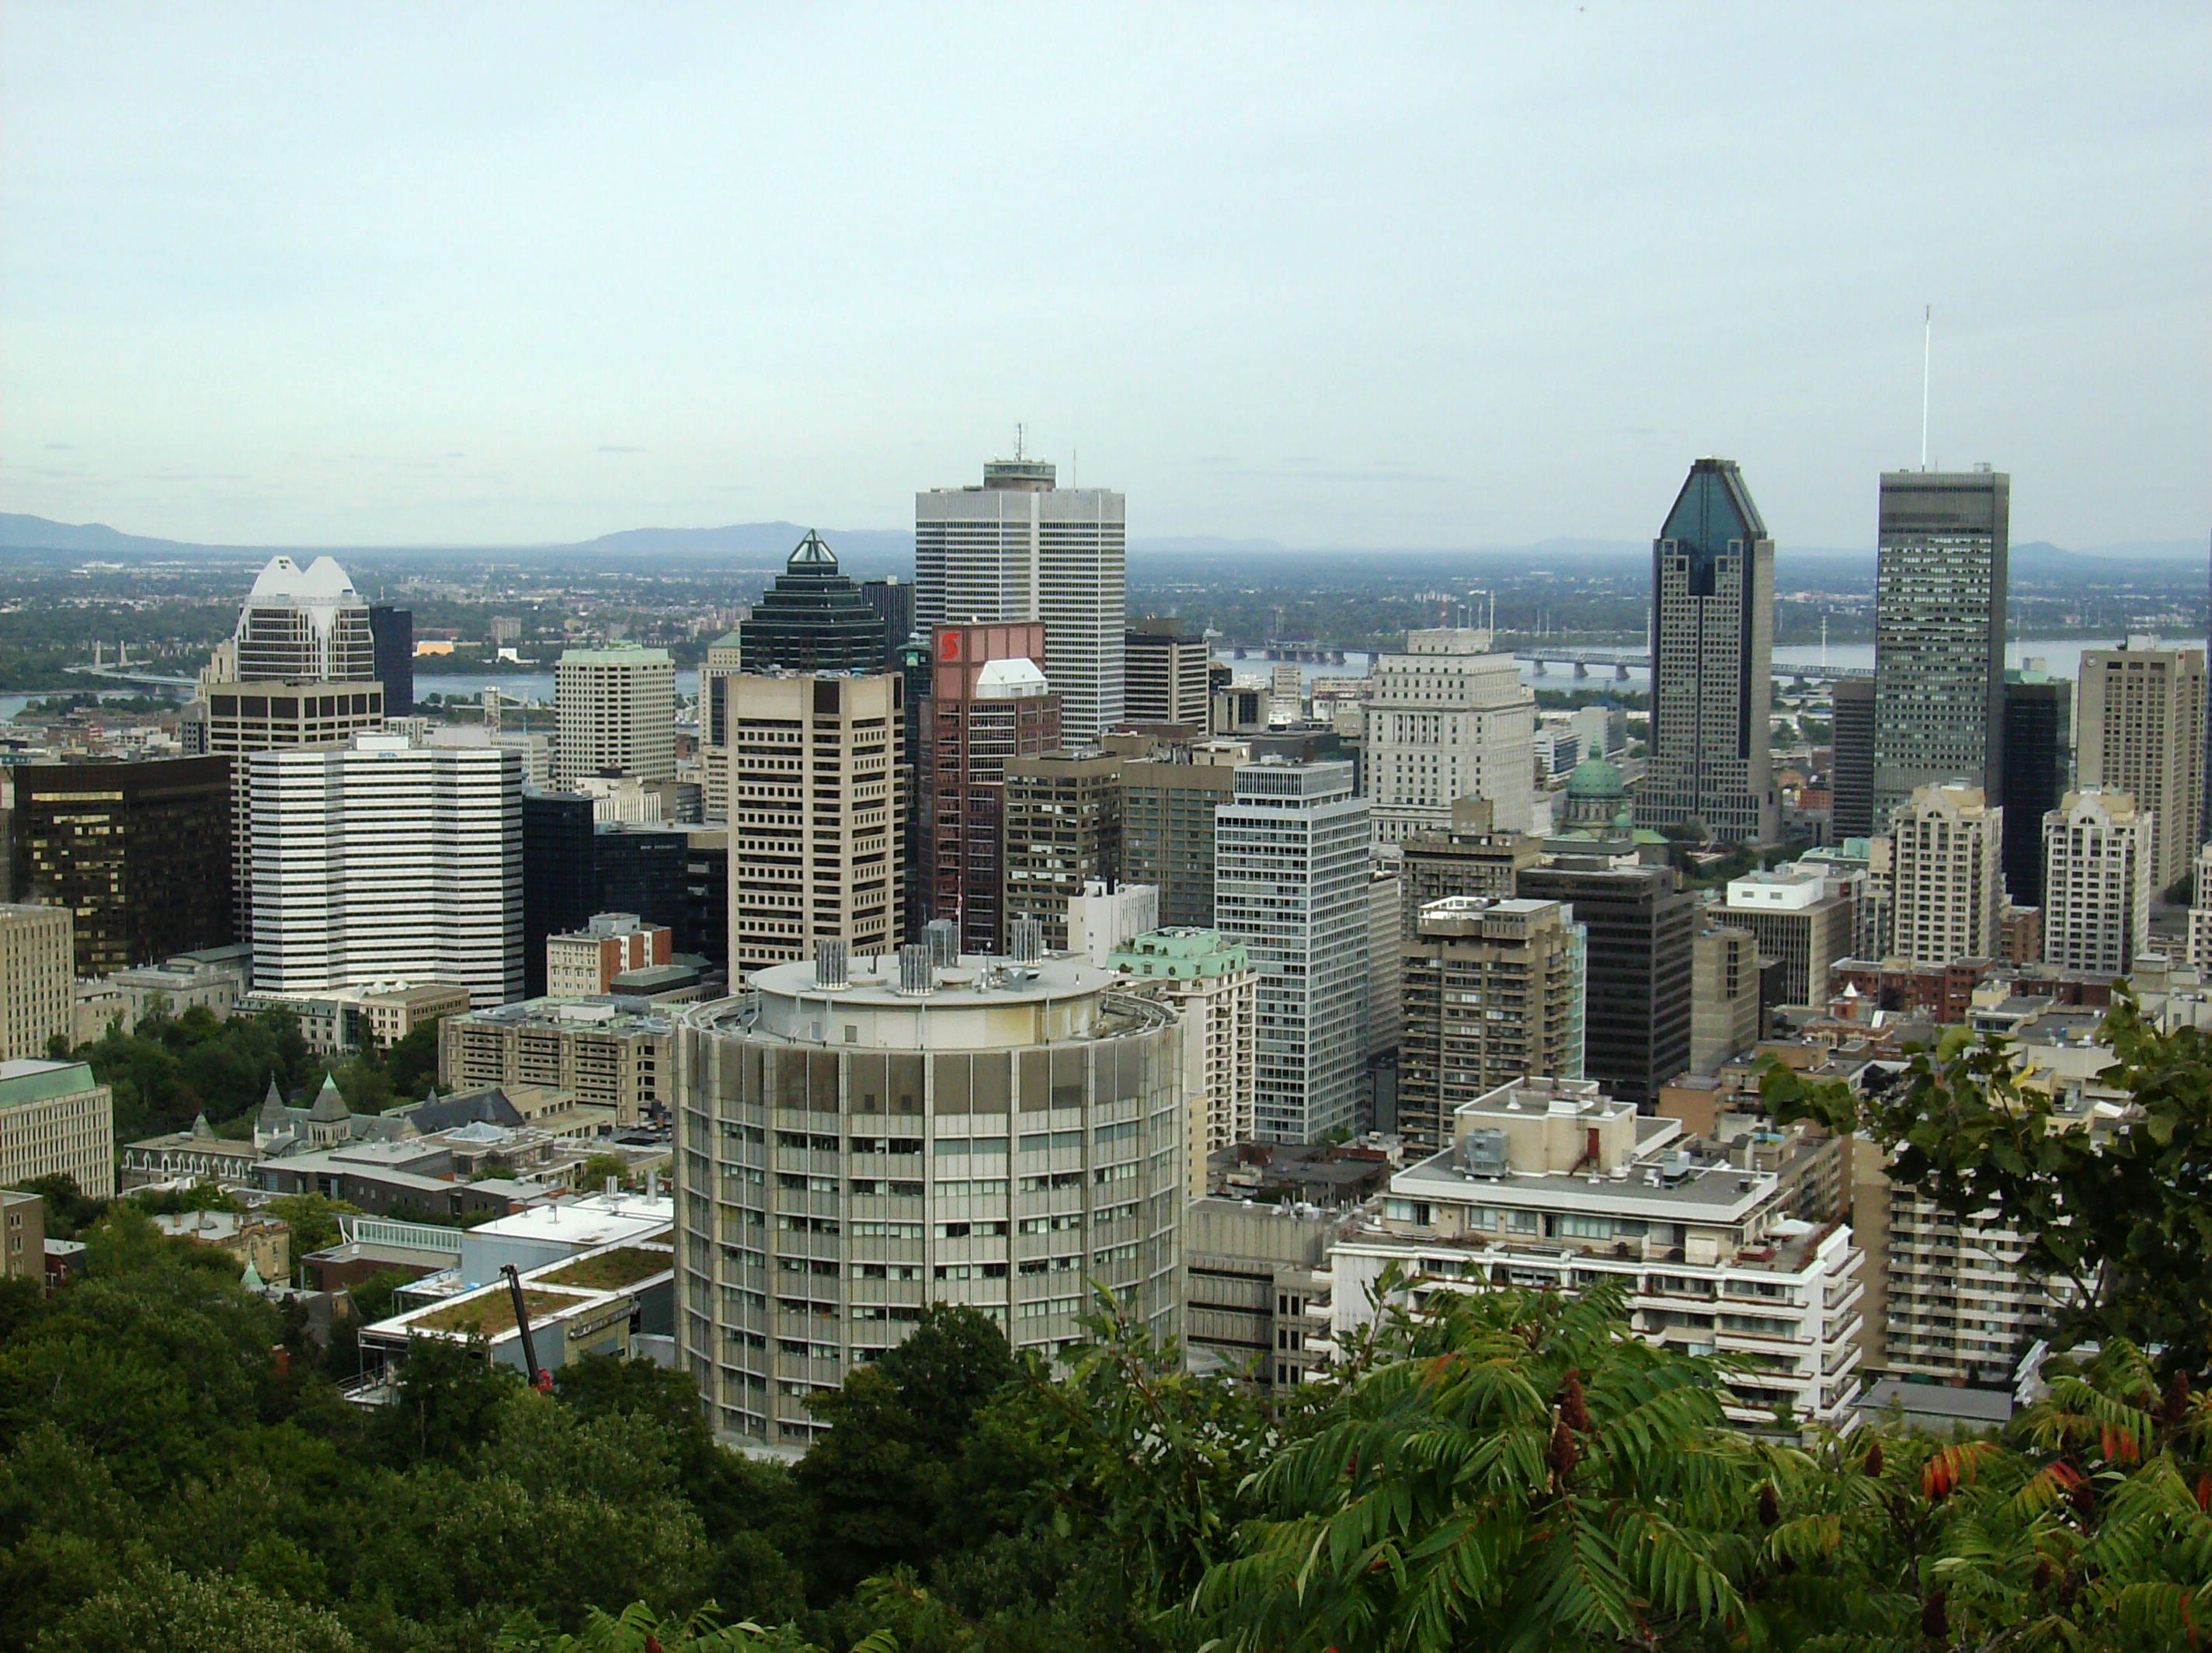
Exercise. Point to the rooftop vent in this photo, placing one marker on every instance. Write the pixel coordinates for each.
(1482, 1153)
(829, 965)
(1674, 1166)
(1027, 946)
(916, 975)
(942, 938)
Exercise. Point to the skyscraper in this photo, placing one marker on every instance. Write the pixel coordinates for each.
(1018, 548)
(1167, 804)
(1947, 871)
(2142, 732)
(1163, 674)
(1640, 952)
(1852, 779)
(392, 631)
(1940, 634)
(891, 599)
(1290, 883)
(1713, 655)
(2037, 756)
(2097, 882)
(36, 981)
(1063, 831)
(990, 702)
(812, 618)
(725, 658)
(614, 711)
(1448, 720)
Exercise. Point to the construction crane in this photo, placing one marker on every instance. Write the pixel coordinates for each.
(539, 1378)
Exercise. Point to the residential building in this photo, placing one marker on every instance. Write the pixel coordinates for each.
(1007, 1138)
(22, 1237)
(392, 650)
(2038, 760)
(812, 618)
(1939, 579)
(815, 811)
(1947, 876)
(1493, 993)
(139, 853)
(1257, 1291)
(2097, 856)
(1447, 720)
(1712, 649)
(1851, 777)
(1163, 675)
(2142, 732)
(613, 712)
(1799, 924)
(2199, 946)
(1018, 549)
(1472, 856)
(1167, 806)
(1290, 883)
(38, 983)
(56, 1120)
(587, 961)
(990, 702)
(380, 861)
(1552, 1184)
(723, 660)
(1062, 813)
(1640, 937)
(600, 1052)
(1210, 981)
(1724, 995)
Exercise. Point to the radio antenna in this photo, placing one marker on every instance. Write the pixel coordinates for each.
(1927, 355)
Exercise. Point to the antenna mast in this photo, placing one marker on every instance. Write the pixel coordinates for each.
(1927, 353)
(1022, 433)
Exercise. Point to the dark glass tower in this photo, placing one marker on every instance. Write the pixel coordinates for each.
(1853, 779)
(892, 599)
(1642, 938)
(2037, 737)
(392, 632)
(812, 619)
(1712, 663)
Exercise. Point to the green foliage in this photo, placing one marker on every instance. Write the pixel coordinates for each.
(175, 1068)
(594, 1171)
(162, 1608)
(312, 1218)
(70, 1210)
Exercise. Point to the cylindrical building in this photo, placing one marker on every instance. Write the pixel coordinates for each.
(857, 1140)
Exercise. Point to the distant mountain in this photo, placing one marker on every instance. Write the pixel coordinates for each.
(21, 532)
(871, 550)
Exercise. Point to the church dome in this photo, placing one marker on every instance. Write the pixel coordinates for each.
(1595, 778)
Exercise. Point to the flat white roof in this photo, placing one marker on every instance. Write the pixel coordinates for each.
(591, 1222)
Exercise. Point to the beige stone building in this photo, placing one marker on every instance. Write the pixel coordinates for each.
(2097, 882)
(22, 1237)
(1947, 868)
(38, 980)
(2141, 729)
(1211, 981)
(263, 1242)
(1723, 996)
(596, 1053)
(56, 1118)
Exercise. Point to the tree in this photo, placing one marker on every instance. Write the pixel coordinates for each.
(312, 1218)
(161, 1608)
(594, 1172)
(70, 1210)
(2120, 1218)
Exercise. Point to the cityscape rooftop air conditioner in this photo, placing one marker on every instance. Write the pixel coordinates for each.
(1482, 1153)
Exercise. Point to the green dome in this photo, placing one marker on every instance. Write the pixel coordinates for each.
(1595, 778)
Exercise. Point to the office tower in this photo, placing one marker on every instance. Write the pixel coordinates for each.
(1639, 952)
(1470, 857)
(891, 600)
(702, 926)
(2097, 851)
(391, 636)
(1939, 634)
(1801, 923)
(2037, 757)
(2142, 732)
(1449, 720)
(1852, 779)
(1386, 964)
(1712, 664)
(812, 618)
(1493, 993)
(914, 662)
(614, 710)
(990, 702)
(560, 886)
(1009, 1140)
(1946, 876)
(1163, 675)
(304, 625)
(2200, 913)
(1167, 804)
(573, 868)
(815, 809)
(1212, 984)
(1063, 831)
(725, 660)
(585, 963)
(379, 860)
(1019, 548)
(139, 853)
(37, 980)
(1723, 996)
(1290, 863)
(56, 1120)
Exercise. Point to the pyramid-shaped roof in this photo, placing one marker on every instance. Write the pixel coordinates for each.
(330, 1107)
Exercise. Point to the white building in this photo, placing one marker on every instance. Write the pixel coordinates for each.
(2200, 914)
(1947, 876)
(1551, 1185)
(614, 710)
(1102, 919)
(379, 860)
(303, 625)
(1211, 983)
(1290, 870)
(1447, 720)
(1020, 548)
(2096, 850)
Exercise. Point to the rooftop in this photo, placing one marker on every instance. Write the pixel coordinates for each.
(974, 980)
(599, 1219)
(27, 1080)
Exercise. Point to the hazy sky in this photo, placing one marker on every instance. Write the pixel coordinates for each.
(1379, 275)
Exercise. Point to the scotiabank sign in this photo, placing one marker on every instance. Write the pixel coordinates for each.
(948, 645)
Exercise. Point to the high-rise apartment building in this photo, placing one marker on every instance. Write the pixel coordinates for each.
(725, 660)
(2038, 764)
(2142, 732)
(38, 980)
(1471, 857)
(1167, 806)
(815, 808)
(1800, 923)
(1448, 720)
(1947, 884)
(1639, 942)
(1164, 678)
(614, 711)
(379, 860)
(1939, 578)
(1018, 548)
(990, 702)
(392, 634)
(812, 618)
(1211, 982)
(1723, 996)
(1493, 994)
(139, 853)
(1851, 780)
(854, 1144)
(2200, 913)
(1712, 663)
(1063, 831)
(2097, 851)
(1291, 882)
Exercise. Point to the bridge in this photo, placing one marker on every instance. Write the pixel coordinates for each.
(132, 677)
(1622, 660)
